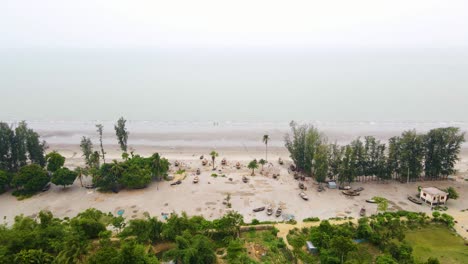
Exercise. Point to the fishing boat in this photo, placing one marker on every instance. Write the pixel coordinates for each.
(414, 200)
(245, 179)
(198, 172)
(176, 163)
(269, 211)
(223, 162)
(280, 161)
(304, 196)
(196, 179)
(259, 209)
(201, 157)
(279, 211)
(301, 185)
(238, 166)
(204, 162)
(351, 193)
(362, 212)
(371, 201)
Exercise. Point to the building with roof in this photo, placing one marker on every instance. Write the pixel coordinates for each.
(433, 196)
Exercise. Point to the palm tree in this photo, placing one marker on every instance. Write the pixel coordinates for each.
(266, 138)
(80, 172)
(213, 155)
(262, 162)
(253, 165)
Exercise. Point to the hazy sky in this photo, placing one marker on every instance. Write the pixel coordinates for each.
(241, 60)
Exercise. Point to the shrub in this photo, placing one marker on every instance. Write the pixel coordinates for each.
(311, 219)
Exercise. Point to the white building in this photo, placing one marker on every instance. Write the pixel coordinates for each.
(433, 196)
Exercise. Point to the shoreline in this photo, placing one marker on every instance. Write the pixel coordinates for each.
(206, 197)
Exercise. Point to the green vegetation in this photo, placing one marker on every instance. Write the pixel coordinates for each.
(437, 241)
(122, 134)
(100, 129)
(453, 194)
(20, 146)
(262, 162)
(265, 140)
(29, 180)
(402, 237)
(383, 238)
(64, 177)
(406, 158)
(55, 161)
(214, 155)
(133, 173)
(253, 165)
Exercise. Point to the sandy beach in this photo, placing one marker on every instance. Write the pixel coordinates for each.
(206, 197)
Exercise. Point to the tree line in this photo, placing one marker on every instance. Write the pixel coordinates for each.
(407, 157)
(26, 168)
(95, 237)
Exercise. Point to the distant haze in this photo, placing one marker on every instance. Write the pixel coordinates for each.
(240, 61)
(235, 85)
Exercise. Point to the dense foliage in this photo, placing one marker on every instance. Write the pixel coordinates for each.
(30, 179)
(133, 173)
(20, 146)
(350, 243)
(407, 157)
(50, 240)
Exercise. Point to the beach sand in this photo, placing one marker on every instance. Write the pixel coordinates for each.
(206, 197)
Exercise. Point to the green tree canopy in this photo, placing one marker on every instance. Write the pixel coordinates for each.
(64, 177)
(30, 179)
(55, 161)
(253, 165)
(121, 133)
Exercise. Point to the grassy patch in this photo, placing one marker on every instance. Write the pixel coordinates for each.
(270, 249)
(437, 241)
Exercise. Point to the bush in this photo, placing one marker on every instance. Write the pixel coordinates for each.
(30, 179)
(311, 219)
(214, 175)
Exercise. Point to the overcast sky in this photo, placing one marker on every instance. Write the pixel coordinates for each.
(150, 23)
(234, 60)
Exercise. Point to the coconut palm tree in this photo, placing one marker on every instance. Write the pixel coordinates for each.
(266, 138)
(80, 171)
(262, 162)
(253, 165)
(213, 155)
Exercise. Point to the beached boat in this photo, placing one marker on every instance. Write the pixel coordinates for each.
(296, 176)
(176, 163)
(320, 188)
(371, 201)
(176, 183)
(304, 196)
(269, 211)
(278, 213)
(89, 186)
(362, 212)
(223, 162)
(259, 209)
(344, 188)
(351, 193)
(360, 189)
(292, 167)
(198, 172)
(201, 157)
(204, 162)
(46, 187)
(280, 161)
(414, 200)
(245, 179)
(238, 166)
(196, 179)
(301, 186)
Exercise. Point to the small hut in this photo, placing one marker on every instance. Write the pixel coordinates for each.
(311, 248)
(433, 196)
